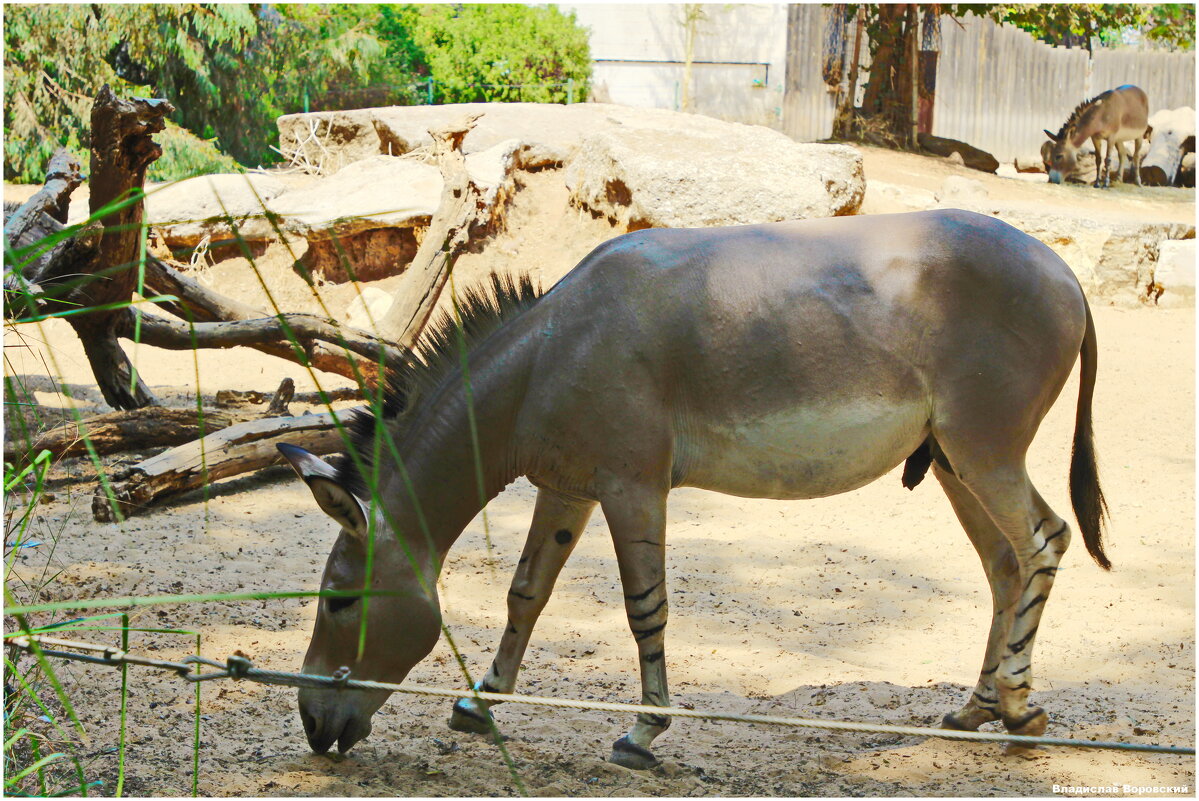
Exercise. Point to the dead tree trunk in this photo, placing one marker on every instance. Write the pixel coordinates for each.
(245, 447)
(136, 429)
(459, 209)
(122, 150)
(232, 451)
(29, 231)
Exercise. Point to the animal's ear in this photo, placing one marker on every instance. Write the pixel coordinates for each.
(1051, 135)
(333, 498)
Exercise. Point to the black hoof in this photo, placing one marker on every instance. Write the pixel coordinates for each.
(950, 722)
(629, 755)
(1031, 724)
(468, 720)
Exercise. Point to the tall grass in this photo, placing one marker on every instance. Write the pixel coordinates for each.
(47, 749)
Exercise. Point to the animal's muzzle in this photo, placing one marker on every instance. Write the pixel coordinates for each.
(326, 724)
(1055, 177)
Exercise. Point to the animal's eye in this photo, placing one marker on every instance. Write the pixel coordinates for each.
(338, 604)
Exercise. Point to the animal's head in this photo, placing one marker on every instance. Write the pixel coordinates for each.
(1058, 155)
(402, 619)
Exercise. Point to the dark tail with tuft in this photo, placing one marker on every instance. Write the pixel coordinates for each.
(1085, 494)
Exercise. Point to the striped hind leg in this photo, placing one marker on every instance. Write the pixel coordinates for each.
(637, 521)
(1039, 538)
(1003, 575)
(558, 520)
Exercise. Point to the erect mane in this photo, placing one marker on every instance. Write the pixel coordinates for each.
(482, 309)
(1076, 115)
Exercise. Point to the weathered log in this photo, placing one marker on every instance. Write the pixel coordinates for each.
(135, 429)
(1170, 130)
(972, 157)
(195, 300)
(459, 209)
(282, 397)
(272, 335)
(320, 339)
(1186, 172)
(53, 199)
(237, 449)
(122, 150)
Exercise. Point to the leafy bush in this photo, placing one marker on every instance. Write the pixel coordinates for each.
(184, 155)
(489, 53)
(232, 69)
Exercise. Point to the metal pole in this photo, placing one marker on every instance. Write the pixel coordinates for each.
(570, 91)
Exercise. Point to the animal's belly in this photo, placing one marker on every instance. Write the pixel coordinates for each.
(808, 452)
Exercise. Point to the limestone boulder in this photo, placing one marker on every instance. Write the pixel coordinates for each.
(1174, 275)
(550, 133)
(188, 211)
(1167, 145)
(369, 216)
(711, 174)
(1116, 263)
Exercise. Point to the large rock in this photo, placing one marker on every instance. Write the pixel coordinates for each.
(188, 211)
(712, 175)
(1174, 275)
(642, 166)
(1115, 263)
(551, 132)
(368, 218)
(1171, 129)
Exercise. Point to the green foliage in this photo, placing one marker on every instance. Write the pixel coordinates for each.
(1075, 23)
(52, 58)
(184, 155)
(1171, 23)
(232, 69)
(489, 53)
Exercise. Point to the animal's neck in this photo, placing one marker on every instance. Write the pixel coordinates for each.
(458, 453)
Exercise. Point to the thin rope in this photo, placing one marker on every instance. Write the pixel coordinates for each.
(240, 668)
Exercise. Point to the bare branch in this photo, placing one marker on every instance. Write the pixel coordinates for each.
(459, 209)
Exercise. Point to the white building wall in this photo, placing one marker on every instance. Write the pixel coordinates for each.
(638, 53)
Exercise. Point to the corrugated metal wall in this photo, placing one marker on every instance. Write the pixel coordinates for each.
(808, 106)
(997, 86)
(1168, 78)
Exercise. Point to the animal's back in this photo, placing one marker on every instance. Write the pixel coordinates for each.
(792, 359)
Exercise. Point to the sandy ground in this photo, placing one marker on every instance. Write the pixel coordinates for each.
(869, 606)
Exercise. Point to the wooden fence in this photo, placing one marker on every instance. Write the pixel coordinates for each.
(997, 87)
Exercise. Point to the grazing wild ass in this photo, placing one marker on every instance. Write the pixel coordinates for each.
(789, 360)
(1116, 116)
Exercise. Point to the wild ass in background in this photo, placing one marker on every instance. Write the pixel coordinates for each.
(1116, 116)
(789, 360)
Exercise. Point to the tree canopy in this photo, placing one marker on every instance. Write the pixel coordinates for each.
(1074, 24)
(232, 69)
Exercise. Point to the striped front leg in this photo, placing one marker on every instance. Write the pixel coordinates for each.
(558, 521)
(637, 520)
